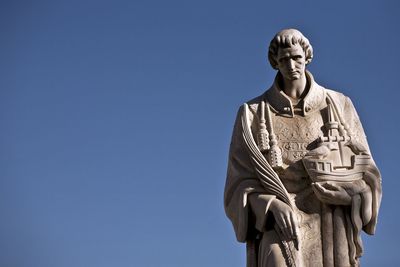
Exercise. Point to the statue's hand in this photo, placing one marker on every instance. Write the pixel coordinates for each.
(285, 219)
(331, 193)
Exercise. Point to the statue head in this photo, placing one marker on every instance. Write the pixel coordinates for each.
(285, 39)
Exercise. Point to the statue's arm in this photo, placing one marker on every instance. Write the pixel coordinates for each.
(245, 201)
(370, 197)
(364, 196)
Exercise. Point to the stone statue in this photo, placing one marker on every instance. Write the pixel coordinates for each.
(301, 182)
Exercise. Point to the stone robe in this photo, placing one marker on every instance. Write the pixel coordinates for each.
(328, 235)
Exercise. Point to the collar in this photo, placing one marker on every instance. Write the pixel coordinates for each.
(282, 104)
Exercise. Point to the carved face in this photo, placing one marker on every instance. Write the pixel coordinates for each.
(291, 62)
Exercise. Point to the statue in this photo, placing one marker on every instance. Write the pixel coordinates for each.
(301, 182)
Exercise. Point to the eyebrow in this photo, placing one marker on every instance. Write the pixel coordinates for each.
(290, 56)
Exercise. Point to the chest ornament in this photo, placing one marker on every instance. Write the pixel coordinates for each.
(267, 142)
(337, 157)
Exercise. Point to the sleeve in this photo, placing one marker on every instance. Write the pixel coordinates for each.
(354, 124)
(371, 197)
(246, 214)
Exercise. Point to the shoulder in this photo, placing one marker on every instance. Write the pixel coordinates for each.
(252, 104)
(339, 98)
(253, 110)
(336, 95)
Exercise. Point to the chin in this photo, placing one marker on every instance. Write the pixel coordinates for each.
(294, 77)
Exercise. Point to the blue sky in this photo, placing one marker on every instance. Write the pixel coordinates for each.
(116, 118)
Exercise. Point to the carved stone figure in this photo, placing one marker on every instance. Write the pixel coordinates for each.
(301, 182)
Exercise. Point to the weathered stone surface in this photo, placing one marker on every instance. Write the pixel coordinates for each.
(301, 182)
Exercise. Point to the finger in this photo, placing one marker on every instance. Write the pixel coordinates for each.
(325, 192)
(322, 192)
(284, 229)
(316, 188)
(331, 186)
(319, 187)
(295, 230)
(317, 191)
(329, 194)
(294, 226)
(324, 195)
(279, 223)
(288, 223)
(288, 227)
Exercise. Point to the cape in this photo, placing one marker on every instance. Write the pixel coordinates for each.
(322, 227)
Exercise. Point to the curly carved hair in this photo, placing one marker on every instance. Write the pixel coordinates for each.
(287, 38)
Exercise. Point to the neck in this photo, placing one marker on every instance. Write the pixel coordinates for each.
(295, 88)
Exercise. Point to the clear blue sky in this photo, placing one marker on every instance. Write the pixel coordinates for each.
(116, 116)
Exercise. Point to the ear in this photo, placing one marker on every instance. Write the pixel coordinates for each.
(272, 61)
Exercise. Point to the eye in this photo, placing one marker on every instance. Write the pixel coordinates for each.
(283, 59)
(297, 58)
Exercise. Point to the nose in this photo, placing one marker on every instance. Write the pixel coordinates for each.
(291, 64)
